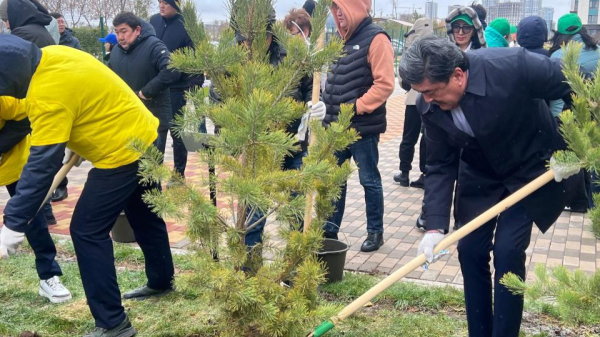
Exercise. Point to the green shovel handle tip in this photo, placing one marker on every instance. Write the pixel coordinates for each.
(323, 328)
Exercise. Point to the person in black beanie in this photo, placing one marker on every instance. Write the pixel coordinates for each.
(169, 27)
(309, 6)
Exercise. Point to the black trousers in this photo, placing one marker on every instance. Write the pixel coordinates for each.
(410, 136)
(578, 187)
(63, 183)
(105, 194)
(180, 153)
(39, 239)
(508, 242)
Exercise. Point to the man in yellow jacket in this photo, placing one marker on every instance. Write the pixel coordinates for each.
(73, 101)
(13, 156)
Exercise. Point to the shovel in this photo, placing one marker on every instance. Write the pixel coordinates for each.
(60, 175)
(444, 244)
(316, 94)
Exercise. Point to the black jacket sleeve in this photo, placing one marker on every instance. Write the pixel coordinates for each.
(35, 181)
(442, 170)
(76, 43)
(160, 59)
(196, 81)
(13, 133)
(307, 88)
(544, 77)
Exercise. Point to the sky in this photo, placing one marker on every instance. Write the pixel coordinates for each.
(212, 10)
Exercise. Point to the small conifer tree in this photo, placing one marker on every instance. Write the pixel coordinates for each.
(580, 124)
(254, 109)
(572, 295)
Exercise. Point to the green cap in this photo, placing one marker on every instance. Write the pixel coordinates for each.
(463, 17)
(513, 29)
(501, 25)
(566, 21)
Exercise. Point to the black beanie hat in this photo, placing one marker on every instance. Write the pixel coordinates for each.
(309, 6)
(174, 3)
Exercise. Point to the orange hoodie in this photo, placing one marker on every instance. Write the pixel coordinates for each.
(380, 57)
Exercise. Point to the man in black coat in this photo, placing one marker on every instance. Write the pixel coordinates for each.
(504, 134)
(141, 60)
(170, 28)
(66, 34)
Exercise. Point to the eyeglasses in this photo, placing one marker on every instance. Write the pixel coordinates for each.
(466, 29)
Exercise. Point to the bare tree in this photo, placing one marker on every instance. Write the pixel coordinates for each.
(81, 12)
(214, 29)
(394, 9)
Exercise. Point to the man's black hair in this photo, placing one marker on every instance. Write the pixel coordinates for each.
(127, 18)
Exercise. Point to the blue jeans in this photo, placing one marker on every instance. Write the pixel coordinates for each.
(507, 236)
(254, 236)
(366, 156)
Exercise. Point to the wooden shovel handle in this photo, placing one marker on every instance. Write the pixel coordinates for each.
(447, 242)
(60, 175)
(316, 95)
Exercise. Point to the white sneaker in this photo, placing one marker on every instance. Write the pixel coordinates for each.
(53, 290)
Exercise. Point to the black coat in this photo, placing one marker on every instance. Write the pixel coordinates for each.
(515, 135)
(143, 66)
(172, 32)
(67, 39)
(29, 23)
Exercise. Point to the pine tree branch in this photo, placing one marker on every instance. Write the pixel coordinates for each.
(273, 210)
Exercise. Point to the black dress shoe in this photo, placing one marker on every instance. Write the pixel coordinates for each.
(330, 235)
(59, 194)
(402, 178)
(419, 183)
(50, 219)
(457, 225)
(145, 292)
(372, 243)
(577, 209)
(421, 222)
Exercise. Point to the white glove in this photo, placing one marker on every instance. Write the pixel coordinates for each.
(563, 171)
(429, 241)
(303, 127)
(317, 111)
(9, 241)
(68, 155)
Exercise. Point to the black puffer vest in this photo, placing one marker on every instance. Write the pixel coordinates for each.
(351, 77)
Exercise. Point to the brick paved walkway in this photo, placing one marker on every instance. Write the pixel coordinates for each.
(569, 242)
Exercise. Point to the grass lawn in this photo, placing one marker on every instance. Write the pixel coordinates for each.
(407, 309)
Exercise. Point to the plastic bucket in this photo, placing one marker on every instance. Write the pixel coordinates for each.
(333, 255)
(121, 231)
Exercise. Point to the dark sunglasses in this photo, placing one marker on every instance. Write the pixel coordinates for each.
(466, 29)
